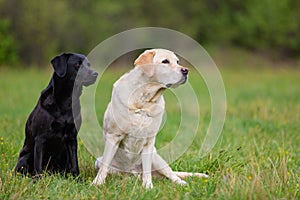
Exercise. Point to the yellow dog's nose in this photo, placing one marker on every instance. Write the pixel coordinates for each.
(184, 71)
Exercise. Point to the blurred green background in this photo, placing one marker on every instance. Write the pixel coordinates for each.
(255, 44)
(33, 31)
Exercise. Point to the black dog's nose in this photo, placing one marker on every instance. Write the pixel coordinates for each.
(184, 71)
(95, 73)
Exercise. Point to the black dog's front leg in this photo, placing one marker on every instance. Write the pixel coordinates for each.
(38, 156)
(72, 154)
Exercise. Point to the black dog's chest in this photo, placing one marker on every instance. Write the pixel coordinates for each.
(64, 127)
(53, 127)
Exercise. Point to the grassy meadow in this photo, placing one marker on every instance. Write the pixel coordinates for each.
(256, 157)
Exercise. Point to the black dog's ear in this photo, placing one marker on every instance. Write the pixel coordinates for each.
(59, 64)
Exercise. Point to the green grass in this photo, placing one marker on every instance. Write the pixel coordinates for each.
(256, 157)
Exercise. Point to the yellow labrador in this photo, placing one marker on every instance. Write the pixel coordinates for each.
(134, 115)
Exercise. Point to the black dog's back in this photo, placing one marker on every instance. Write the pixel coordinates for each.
(50, 133)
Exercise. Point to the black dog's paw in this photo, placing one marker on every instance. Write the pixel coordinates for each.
(75, 173)
(21, 169)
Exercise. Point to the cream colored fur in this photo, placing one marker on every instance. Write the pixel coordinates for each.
(133, 118)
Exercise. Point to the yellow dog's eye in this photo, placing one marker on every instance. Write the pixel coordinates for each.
(166, 61)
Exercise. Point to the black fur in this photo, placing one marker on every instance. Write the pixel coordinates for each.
(50, 133)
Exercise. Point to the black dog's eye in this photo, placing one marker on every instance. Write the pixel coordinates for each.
(78, 64)
(166, 61)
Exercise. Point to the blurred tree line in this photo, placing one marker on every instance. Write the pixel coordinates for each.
(33, 31)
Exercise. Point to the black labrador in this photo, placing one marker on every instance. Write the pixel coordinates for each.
(51, 135)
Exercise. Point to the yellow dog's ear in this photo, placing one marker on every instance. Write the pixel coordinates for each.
(145, 61)
(145, 58)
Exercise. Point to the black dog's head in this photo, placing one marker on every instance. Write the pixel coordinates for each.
(74, 66)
